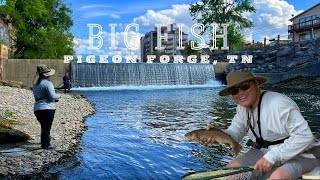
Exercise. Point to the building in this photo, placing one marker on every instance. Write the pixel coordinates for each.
(306, 25)
(148, 42)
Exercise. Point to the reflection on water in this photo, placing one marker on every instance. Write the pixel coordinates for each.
(309, 106)
(138, 134)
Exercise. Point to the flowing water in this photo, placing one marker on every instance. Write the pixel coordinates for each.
(139, 133)
(140, 74)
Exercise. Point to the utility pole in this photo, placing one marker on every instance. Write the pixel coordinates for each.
(224, 17)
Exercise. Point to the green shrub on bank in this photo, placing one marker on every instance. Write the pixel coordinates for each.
(7, 117)
(7, 133)
(7, 114)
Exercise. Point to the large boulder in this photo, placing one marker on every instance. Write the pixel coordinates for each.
(12, 136)
(284, 51)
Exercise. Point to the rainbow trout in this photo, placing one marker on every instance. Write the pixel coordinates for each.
(219, 136)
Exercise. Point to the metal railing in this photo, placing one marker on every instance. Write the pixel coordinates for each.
(304, 25)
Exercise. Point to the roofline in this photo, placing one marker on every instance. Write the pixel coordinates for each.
(304, 11)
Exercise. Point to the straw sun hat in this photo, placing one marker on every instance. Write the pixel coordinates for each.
(235, 78)
(44, 70)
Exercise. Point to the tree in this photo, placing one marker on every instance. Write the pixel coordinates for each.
(41, 28)
(190, 51)
(224, 11)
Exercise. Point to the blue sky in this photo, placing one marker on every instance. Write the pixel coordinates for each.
(272, 18)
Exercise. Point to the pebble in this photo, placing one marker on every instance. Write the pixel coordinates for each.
(67, 125)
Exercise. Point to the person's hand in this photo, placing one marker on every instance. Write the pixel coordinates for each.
(263, 165)
(210, 140)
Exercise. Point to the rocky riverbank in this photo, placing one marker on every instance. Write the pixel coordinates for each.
(276, 59)
(24, 160)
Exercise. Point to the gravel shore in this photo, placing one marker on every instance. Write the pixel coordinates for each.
(23, 160)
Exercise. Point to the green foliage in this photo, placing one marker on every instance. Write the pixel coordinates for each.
(224, 11)
(190, 51)
(41, 28)
(7, 114)
(6, 117)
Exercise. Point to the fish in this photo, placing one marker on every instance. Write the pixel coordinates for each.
(219, 136)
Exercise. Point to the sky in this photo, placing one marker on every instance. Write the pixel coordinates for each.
(271, 19)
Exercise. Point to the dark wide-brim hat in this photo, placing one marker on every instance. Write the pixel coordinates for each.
(235, 78)
(44, 70)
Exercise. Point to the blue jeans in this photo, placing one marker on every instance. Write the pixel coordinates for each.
(45, 118)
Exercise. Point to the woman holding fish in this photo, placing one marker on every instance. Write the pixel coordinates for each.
(284, 146)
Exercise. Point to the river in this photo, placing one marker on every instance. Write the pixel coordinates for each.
(139, 133)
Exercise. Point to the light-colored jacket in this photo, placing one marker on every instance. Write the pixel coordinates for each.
(280, 118)
(44, 95)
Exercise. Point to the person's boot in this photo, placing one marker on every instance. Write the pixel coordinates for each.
(51, 146)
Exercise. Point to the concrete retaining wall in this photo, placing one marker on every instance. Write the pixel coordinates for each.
(311, 70)
(24, 70)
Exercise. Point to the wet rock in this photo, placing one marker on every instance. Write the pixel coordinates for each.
(3, 171)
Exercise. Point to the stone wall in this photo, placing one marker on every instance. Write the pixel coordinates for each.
(24, 70)
(286, 61)
(276, 59)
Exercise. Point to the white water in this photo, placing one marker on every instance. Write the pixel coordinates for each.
(210, 84)
(141, 74)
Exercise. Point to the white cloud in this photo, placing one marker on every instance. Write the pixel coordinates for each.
(271, 19)
(115, 16)
(94, 6)
(178, 14)
(100, 13)
(81, 45)
(97, 10)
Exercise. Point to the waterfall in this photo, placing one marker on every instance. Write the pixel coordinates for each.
(140, 74)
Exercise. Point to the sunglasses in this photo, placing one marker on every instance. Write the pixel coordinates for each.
(235, 90)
